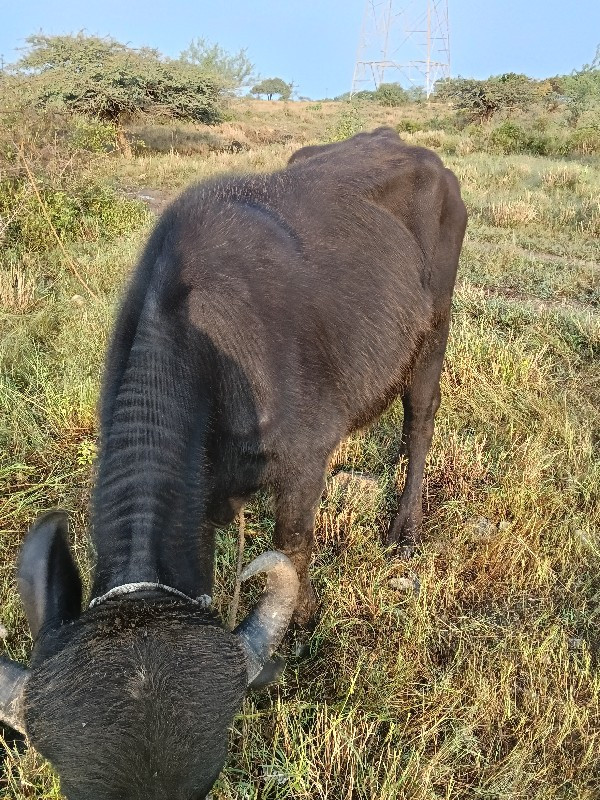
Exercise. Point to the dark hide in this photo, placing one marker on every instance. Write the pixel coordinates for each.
(152, 689)
(269, 317)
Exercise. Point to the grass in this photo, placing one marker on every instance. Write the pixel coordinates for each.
(470, 672)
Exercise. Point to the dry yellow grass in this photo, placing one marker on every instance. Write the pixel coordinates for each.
(17, 290)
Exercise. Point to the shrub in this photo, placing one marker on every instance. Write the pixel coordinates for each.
(509, 137)
(107, 80)
(584, 141)
(449, 124)
(81, 209)
(349, 122)
(391, 95)
(94, 136)
(481, 99)
(409, 126)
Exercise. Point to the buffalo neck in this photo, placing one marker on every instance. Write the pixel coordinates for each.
(149, 521)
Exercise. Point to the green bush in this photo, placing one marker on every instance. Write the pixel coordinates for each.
(449, 124)
(93, 135)
(409, 126)
(509, 137)
(481, 99)
(538, 144)
(108, 80)
(349, 122)
(391, 95)
(584, 141)
(83, 209)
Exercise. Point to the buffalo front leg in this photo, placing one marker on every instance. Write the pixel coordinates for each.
(421, 401)
(295, 512)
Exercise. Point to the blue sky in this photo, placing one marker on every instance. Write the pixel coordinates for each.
(314, 42)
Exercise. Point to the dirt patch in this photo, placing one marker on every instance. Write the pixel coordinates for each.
(155, 199)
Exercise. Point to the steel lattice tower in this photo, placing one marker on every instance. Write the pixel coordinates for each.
(403, 41)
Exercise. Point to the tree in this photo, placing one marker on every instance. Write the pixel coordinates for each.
(582, 88)
(109, 80)
(229, 71)
(271, 86)
(481, 99)
(416, 94)
(386, 94)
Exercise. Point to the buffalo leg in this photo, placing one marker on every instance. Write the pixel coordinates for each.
(421, 401)
(295, 513)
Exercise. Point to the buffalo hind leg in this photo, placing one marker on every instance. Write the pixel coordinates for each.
(296, 507)
(421, 401)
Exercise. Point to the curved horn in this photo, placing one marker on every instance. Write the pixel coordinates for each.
(264, 627)
(13, 678)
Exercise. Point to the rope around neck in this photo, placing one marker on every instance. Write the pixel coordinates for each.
(204, 600)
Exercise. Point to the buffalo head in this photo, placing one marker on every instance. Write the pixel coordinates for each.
(132, 699)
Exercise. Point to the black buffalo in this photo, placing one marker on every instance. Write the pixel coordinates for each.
(269, 316)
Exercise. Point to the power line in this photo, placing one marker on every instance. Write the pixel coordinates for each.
(403, 41)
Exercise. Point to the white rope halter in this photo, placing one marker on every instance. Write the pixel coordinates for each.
(204, 600)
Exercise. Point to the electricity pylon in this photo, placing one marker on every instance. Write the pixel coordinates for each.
(403, 41)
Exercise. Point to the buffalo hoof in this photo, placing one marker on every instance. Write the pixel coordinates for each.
(405, 550)
(403, 536)
(306, 606)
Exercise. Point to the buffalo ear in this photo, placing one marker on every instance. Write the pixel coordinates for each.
(49, 582)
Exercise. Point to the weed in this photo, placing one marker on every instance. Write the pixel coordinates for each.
(84, 209)
(512, 214)
(349, 122)
(561, 178)
(94, 135)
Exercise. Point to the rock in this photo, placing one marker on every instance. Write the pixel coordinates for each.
(504, 525)
(3, 631)
(482, 527)
(585, 537)
(355, 481)
(401, 583)
(409, 583)
(78, 300)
